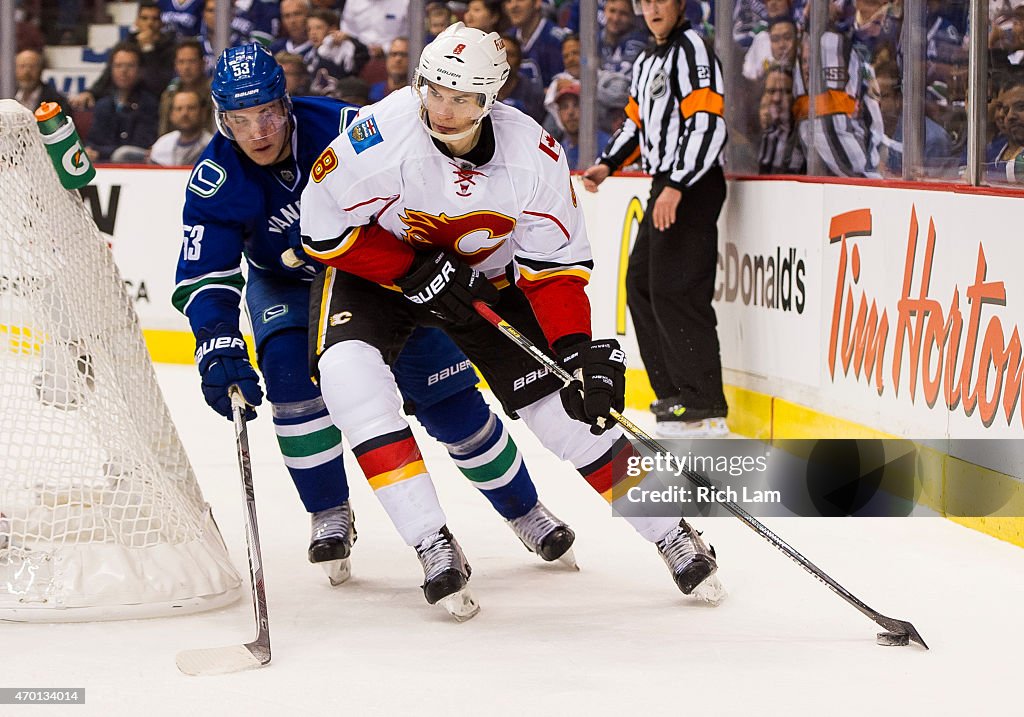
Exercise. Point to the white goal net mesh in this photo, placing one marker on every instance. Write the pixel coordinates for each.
(100, 513)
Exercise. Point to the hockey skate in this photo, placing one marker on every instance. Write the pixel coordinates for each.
(674, 420)
(446, 575)
(692, 562)
(334, 532)
(544, 534)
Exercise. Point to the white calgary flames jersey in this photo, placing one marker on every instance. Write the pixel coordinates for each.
(517, 206)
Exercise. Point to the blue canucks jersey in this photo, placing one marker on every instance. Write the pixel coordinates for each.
(235, 208)
(182, 16)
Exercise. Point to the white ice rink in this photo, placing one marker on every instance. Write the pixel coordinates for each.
(615, 638)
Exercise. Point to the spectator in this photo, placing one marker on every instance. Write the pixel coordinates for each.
(774, 47)
(125, 121)
(776, 120)
(1004, 160)
(337, 54)
(156, 50)
(540, 40)
(567, 110)
(876, 29)
(677, 124)
(376, 22)
(397, 65)
(438, 17)
(570, 57)
(182, 17)
(621, 42)
(1006, 40)
(939, 157)
(520, 90)
(612, 96)
(256, 21)
(354, 90)
(27, 35)
(293, 21)
(751, 17)
(69, 22)
(296, 76)
(28, 78)
(251, 21)
(188, 64)
(571, 73)
(485, 15)
(183, 145)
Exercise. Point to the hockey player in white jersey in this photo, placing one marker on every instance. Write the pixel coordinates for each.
(446, 197)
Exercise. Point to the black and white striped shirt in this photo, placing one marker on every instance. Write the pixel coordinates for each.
(675, 114)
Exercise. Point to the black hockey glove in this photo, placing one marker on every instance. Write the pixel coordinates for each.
(447, 286)
(223, 362)
(599, 372)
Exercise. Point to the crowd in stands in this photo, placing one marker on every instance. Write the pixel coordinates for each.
(358, 50)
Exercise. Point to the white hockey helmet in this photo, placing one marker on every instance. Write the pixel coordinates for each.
(464, 59)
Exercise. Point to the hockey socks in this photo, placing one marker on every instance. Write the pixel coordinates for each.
(483, 450)
(311, 447)
(395, 470)
(310, 443)
(607, 474)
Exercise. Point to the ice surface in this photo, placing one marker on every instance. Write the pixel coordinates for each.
(614, 638)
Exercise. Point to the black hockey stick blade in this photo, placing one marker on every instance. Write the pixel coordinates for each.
(234, 658)
(901, 627)
(891, 624)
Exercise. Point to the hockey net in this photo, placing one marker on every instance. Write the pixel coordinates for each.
(102, 517)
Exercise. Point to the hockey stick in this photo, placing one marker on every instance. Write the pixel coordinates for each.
(234, 658)
(898, 627)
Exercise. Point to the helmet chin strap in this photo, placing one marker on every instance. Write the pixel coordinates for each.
(449, 137)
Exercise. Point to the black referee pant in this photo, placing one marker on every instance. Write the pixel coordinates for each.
(669, 286)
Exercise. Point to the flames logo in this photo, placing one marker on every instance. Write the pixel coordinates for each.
(475, 234)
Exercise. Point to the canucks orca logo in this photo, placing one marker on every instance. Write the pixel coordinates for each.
(206, 178)
(273, 312)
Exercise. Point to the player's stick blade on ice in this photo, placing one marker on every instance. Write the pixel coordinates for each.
(223, 660)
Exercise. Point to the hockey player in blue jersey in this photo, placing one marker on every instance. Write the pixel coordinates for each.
(242, 199)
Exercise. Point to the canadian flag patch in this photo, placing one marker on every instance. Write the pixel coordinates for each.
(549, 146)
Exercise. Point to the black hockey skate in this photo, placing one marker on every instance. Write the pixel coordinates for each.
(692, 562)
(446, 575)
(330, 545)
(544, 534)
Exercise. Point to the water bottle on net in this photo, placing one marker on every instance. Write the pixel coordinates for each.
(73, 166)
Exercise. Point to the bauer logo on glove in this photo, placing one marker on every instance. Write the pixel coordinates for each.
(599, 385)
(447, 287)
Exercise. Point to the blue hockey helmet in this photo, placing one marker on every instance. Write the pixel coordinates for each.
(246, 76)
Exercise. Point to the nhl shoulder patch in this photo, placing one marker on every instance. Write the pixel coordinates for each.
(364, 134)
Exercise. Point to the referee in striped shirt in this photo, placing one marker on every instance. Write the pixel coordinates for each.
(675, 124)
